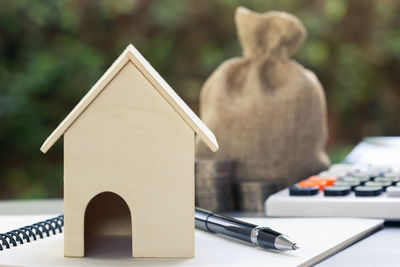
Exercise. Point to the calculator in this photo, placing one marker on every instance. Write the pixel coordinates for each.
(344, 190)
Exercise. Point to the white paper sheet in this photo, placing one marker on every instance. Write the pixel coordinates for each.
(318, 238)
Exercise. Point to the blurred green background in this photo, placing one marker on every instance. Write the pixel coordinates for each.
(52, 52)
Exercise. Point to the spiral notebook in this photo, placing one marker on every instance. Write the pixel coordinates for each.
(319, 238)
(30, 233)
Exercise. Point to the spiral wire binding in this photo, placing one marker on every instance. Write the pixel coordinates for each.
(32, 232)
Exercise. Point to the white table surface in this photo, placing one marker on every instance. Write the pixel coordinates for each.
(379, 249)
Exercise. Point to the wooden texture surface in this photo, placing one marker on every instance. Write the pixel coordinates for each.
(131, 142)
(148, 72)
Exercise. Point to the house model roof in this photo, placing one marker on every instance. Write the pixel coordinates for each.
(131, 54)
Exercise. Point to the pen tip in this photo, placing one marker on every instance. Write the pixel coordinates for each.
(294, 247)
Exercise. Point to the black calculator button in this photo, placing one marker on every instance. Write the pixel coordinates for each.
(303, 191)
(337, 191)
(368, 191)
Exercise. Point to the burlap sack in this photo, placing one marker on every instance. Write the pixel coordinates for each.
(266, 110)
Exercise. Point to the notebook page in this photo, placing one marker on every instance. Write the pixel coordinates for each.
(318, 238)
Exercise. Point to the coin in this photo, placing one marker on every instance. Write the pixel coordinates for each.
(213, 184)
(252, 194)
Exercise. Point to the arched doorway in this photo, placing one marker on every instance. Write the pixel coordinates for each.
(108, 231)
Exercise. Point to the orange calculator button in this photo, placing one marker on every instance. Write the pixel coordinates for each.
(320, 183)
(306, 183)
(328, 180)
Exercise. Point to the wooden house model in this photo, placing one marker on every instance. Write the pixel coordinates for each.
(129, 149)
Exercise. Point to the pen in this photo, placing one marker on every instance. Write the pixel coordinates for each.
(259, 236)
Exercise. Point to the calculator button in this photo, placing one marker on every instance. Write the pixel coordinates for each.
(393, 191)
(337, 191)
(383, 185)
(368, 191)
(367, 174)
(361, 179)
(392, 175)
(319, 179)
(303, 191)
(306, 183)
(382, 179)
(352, 184)
(392, 180)
(351, 179)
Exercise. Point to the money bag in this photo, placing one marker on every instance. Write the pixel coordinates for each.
(267, 111)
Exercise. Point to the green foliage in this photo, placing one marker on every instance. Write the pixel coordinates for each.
(52, 52)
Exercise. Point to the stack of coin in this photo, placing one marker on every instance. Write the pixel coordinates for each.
(214, 189)
(252, 194)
